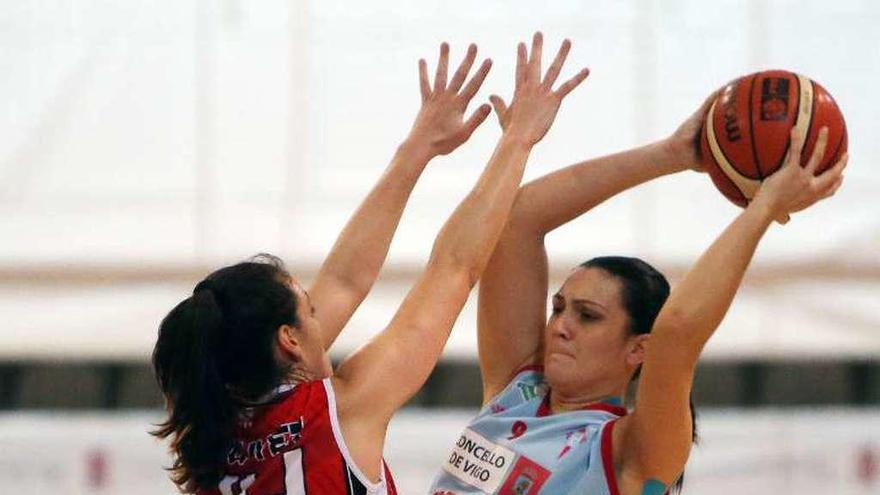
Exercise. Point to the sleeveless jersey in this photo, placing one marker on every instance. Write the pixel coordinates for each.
(516, 447)
(292, 445)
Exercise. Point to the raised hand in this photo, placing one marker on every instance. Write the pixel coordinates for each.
(794, 188)
(535, 103)
(440, 124)
(684, 143)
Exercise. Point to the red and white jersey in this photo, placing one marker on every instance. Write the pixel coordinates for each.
(292, 445)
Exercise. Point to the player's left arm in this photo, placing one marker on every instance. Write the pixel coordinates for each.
(655, 440)
(347, 275)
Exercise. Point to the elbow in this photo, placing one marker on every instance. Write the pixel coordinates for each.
(524, 219)
(457, 266)
(357, 284)
(686, 330)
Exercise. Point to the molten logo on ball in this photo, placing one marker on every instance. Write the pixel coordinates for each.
(731, 122)
(774, 98)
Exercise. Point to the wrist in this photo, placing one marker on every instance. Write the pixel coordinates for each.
(671, 156)
(765, 207)
(416, 151)
(513, 137)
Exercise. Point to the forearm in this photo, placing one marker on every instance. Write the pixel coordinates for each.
(699, 302)
(348, 273)
(469, 236)
(408, 349)
(559, 197)
(361, 248)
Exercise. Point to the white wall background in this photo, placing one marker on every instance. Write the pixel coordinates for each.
(190, 134)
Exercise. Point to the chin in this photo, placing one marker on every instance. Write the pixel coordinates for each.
(557, 369)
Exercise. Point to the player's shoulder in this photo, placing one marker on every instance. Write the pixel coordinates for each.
(525, 385)
(293, 399)
(527, 376)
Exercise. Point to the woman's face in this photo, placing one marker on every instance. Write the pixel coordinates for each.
(587, 347)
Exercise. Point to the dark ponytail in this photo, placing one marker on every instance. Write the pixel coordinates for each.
(215, 349)
(645, 290)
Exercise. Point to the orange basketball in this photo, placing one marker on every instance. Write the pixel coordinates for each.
(747, 130)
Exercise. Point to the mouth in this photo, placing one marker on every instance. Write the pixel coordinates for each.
(555, 353)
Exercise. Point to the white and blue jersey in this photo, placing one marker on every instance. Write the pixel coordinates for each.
(516, 447)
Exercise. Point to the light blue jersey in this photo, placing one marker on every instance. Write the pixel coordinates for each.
(515, 447)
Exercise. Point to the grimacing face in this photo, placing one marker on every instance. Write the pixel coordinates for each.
(588, 351)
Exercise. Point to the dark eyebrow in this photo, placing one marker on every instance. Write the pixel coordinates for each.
(589, 303)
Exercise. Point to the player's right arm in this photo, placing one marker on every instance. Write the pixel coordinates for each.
(655, 439)
(380, 377)
(513, 290)
(347, 275)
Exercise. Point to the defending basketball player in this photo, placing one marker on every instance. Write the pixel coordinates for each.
(253, 404)
(553, 419)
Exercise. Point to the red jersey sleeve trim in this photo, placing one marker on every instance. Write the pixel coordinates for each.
(610, 408)
(389, 479)
(608, 457)
(343, 447)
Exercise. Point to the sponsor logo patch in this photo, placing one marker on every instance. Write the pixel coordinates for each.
(526, 478)
(531, 391)
(479, 462)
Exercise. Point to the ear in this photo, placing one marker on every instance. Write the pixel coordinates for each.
(638, 346)
(289, 344)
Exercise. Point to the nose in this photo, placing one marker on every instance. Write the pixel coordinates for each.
(559, 328)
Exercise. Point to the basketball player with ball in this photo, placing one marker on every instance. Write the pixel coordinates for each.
(553, 419)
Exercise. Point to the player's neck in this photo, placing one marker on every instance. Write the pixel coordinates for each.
(560, 403)
(297, 375)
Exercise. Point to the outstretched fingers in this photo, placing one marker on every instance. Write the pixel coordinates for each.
(442, 67)
(500, 109)
(556, 66)
(572, 83)
(424, 84)
(476, 81)
(463, 68)
(521, 62)
(534, 68)
(477, 118)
